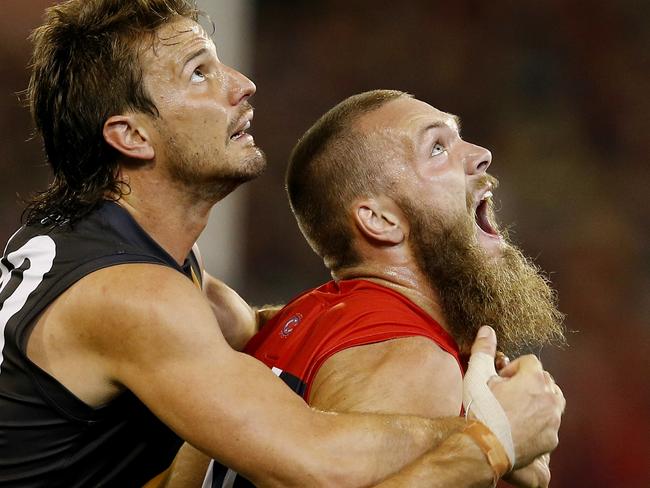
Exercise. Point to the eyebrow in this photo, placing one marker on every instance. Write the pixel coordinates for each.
(440, 124)
(457, 120)
(194, 55)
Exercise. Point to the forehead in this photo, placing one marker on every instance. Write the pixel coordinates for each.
(406, 115)
(172, 42)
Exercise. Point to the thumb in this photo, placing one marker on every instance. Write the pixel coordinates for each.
(485, 342)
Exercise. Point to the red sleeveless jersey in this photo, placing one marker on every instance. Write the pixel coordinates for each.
(324, 321)
(334, 317)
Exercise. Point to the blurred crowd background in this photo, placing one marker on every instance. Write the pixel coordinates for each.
(558, 90)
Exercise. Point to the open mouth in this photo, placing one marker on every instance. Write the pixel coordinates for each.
(241, 132)
(239, 127)
(483, 216)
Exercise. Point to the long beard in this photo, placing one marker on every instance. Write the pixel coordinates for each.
(508, 293)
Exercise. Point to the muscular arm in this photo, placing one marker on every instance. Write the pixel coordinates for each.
(412, 376)
(149, 329)
(457, 462)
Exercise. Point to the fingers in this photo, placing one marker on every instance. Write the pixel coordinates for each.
(550, 383)
(560, 396)
(531, 365)
(535, 475)
(510, 369)
(543, 463)
(501, 360)
(485, 342)
(528, 363)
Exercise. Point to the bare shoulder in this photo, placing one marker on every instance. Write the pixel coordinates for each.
(141, 308)
(115, 323)
(410, 375)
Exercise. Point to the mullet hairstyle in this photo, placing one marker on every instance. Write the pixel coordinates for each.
(85, 69)
(331, 165)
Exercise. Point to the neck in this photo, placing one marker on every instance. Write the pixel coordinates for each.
(172, 216)
(402, 279)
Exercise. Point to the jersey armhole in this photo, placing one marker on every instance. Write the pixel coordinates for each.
(52, 390)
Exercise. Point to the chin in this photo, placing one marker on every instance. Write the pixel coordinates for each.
(244, 169)
(254, 166)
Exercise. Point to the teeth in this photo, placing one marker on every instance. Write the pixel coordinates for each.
(241, 131)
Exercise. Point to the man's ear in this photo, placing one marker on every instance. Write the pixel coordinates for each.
(379, 220)
(129, 138)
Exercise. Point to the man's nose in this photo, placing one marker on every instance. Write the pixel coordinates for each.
(240, 87)
(477, 160)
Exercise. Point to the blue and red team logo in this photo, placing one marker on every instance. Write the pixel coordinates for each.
(289, 325)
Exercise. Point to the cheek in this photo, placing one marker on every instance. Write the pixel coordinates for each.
(437, 205)
(197, 120)
(452, 206)
(446, 192)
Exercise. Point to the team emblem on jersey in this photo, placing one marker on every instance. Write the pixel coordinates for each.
(289, 325)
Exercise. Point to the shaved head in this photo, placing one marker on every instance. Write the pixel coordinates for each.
(336, 161)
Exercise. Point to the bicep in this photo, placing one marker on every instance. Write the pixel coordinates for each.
(409, 375)
(168, 350)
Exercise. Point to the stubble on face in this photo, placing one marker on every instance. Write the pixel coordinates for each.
(508, 292)
(194, 140)
(205, 170)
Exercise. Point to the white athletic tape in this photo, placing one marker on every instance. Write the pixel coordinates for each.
(484, 405)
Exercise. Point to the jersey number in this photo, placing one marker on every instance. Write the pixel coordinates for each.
(22, 272)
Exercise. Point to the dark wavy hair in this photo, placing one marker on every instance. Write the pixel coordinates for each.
(86, 68)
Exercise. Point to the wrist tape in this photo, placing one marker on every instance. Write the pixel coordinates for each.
(491, 447)
(484, 405)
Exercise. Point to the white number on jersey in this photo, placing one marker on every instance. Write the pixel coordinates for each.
(40, 251)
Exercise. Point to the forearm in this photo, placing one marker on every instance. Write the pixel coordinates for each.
(457, 462)
(234, 409)
(279, 441)
(354, 450)
(189, 467)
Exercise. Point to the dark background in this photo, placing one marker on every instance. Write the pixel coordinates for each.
(557, 90)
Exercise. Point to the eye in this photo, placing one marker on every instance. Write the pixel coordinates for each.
(197, 76)
(438, 149)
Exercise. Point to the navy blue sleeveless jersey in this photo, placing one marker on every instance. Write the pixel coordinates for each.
(49, 437)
